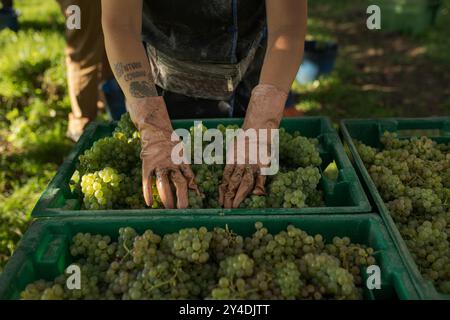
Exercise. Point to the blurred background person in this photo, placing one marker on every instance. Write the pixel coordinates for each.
(88, 70)
(8, 16)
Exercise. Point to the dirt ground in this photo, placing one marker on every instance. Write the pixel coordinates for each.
(386, 74)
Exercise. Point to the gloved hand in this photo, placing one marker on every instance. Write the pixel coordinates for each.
(265, 111)
(152, 120)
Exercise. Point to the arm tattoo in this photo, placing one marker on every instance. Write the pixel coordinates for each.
(121, 68)
(142, 89)
(141, 83)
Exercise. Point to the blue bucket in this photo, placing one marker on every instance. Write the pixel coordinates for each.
(319, 59)
(115, 99)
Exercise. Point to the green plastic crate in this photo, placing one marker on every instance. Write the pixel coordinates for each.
(413, 16)
(345, 195)
(43, 251)
(369, 132)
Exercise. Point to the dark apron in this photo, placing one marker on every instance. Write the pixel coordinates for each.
(206, 55)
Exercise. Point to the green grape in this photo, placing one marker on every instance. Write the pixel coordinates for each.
(95, 249)
(35, 290)
(126, 127)
(298, 151)
(103, 189)
(325, 270)
(366, 153)
(424, 201)
(237, 266)
(291, 189)
(195, 263)
(400, 209)
(191, 244)
(390, 185)
(114, 152)
(412, 176)
(288, 279)
(254, 202)
(195, 200)
(225, 243)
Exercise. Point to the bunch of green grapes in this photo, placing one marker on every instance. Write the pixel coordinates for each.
(288, 279)
(115, 152)
(151, 282)
(238, 266)
(288, 265)
(126, 127)
(366, 153)
(400, 209)
(351, 256)
(145, 247)
(96, 249)
(292, 242)
(103, 189)
(195, 200)
(429, 246)
(396, 161)
(254, 202)
(208, 177)
(412, 178)
(391, 141)
(425, 174)
(291, 189)
(424, 201)
(315, 199)
(325, 270)
(191, 244)
(225, 243)
(125, 243)
(57, 289)
(298, 151)
(118, 279)
(389, 185)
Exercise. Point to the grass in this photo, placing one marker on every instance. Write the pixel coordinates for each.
(33, 112)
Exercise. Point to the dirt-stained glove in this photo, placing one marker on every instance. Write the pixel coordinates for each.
(264, 111)
(152, 120)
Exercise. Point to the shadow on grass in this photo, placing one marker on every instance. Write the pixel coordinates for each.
(378, 74)
(36, 25)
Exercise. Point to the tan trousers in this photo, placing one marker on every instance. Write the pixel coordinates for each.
(87, 64)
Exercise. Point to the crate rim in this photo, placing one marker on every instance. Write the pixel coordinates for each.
(42, 209)
(32, 239)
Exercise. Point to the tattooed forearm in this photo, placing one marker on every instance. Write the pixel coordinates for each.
(121, 68)
(140, 83)
(134, 75)
(142, 89)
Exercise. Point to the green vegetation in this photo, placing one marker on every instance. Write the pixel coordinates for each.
(33, 112)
